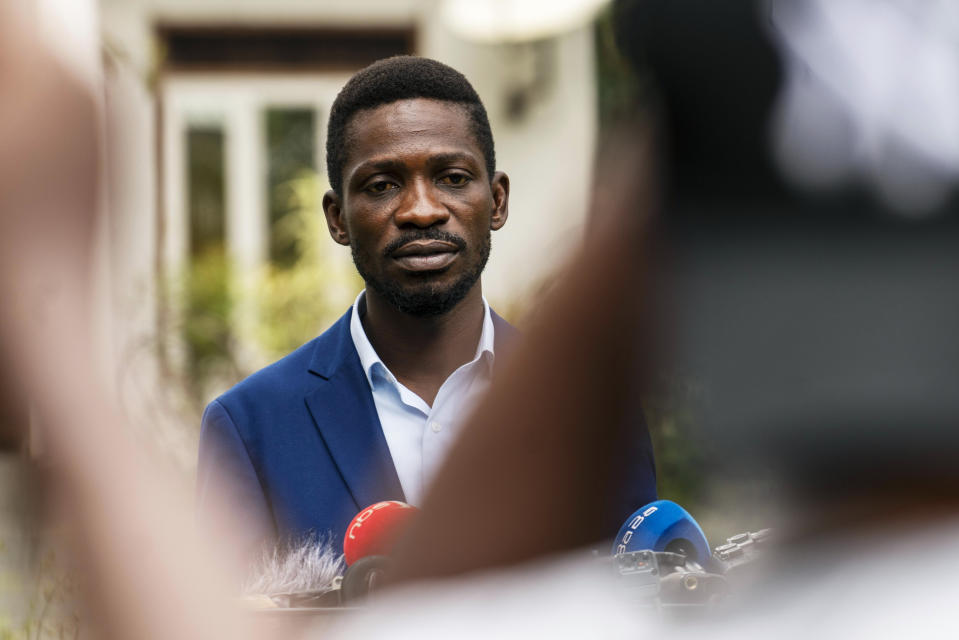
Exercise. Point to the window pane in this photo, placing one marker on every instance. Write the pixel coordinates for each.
(206, 189)
(207, 305)
(291, 155)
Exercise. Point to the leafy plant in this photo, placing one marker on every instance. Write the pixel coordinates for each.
(52, 608)
(226, 324)
(295, 303)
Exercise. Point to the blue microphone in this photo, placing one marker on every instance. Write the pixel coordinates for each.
(663, 525)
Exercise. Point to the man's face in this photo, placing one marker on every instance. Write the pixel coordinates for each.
(417, 206)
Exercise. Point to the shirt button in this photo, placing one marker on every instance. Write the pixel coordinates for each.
(436, 427)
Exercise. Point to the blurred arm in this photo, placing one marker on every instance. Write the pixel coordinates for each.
(538, 463)
(145, 574)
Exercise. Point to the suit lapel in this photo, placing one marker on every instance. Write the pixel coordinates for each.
(345, 415)
(343, 410)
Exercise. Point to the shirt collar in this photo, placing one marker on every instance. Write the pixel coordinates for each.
(371, 361)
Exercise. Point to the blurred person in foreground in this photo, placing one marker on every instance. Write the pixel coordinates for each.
(366, 411)
(805, 271)
(822, 323)
(142, 572)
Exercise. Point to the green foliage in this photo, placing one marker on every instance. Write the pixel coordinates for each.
(297, 302)
(680, 462)
(209, 300)
(291, 161)
(8, 631)
(620, 89)
(52, 609)
(724, 499)
(228, 324)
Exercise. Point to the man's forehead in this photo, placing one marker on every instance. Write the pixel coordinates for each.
(439, 128)
(440, 156)
(376, 127)
(410, 106)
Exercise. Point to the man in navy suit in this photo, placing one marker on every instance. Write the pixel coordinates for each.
(366, 411)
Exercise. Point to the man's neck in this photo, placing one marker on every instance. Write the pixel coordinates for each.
(422, 352)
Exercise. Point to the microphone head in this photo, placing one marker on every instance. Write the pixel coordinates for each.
(374, 530)
(663, 525)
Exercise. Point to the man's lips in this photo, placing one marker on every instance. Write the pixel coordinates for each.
(426, 255)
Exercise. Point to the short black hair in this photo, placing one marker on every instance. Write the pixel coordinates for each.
(402, 78)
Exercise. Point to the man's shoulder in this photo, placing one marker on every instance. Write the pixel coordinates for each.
(298, 371)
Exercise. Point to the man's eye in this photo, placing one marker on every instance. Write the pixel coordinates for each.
(380, 186)
(455, 179)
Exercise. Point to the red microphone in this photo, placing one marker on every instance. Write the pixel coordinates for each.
(374, 530)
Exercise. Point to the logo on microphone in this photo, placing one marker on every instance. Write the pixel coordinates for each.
(632, 526)
(375, 529)
(366, 513)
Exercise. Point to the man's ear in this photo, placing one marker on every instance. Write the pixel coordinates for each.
(500, 186)
(333, 210)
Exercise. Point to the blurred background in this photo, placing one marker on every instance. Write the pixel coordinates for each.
(214, 258)
(217, 260)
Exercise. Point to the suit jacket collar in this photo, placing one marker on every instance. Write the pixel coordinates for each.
(345, 415)
(335, 347)
(343, 410)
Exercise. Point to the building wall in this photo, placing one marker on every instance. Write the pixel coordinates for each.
(547, 150)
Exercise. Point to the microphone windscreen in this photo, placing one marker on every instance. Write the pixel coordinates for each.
(374, 530)
(307, 566)
(663, 525)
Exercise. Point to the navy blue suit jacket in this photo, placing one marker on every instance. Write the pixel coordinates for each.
(297, 449)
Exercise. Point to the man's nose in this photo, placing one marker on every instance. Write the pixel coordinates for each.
(422, 207)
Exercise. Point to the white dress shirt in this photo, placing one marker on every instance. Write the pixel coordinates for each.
(419, 435)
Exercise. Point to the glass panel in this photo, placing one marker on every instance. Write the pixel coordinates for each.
(291, 157)
(207, 305)
(205, 188)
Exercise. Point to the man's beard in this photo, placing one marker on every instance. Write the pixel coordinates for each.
(428, 298)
